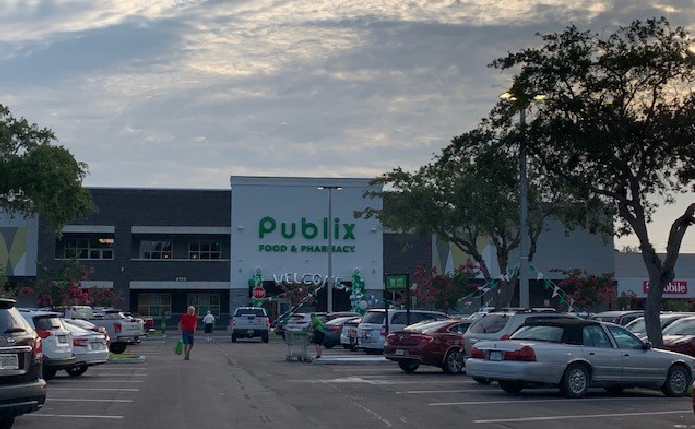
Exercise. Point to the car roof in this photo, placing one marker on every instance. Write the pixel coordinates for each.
(34, 313)
(616, 313)
(562, 321)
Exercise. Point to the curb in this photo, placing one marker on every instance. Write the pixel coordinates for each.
(352, 361)
(141, 359)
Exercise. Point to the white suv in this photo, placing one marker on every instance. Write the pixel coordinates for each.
(374, 327)
(56, 341)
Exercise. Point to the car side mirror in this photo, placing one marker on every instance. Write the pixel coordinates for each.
(646, 345)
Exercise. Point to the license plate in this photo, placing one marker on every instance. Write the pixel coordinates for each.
(400, 352)
(250, 331)
(495, 355)
(9, 361)
(62, 339)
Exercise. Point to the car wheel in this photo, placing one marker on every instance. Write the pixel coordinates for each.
(511, 386)
(233, 338)
(265, 338)
(77, 371)
(118, 348)
(6, 422)
(575, 381)
(482, 380)
(453, 362)
(49, 374)
(408, 366)
(677, 381)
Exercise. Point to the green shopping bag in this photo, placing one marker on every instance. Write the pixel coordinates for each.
(178, 349)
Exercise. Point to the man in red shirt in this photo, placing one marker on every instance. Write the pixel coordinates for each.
(187, 327)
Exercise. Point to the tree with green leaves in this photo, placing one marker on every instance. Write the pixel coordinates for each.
(469, 194)
(38, 176)
(618, 124)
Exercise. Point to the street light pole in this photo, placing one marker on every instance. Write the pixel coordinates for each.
(523, 216)
(329, 227)
(329, 286)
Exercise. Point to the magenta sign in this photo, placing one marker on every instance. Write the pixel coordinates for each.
(673, 288)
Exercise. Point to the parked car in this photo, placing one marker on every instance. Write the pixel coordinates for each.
(348, 337)
(22, 391)
(89, 347)
(438, 343)
(56, 340)
(639, 327)
(334, 329)
(576, 354)
(373, 329)
(89, 326)
(122, 329)
(338, 314)
(500, 324)
(297, 322)
(618, 317)
(250, 322)
(679, 336)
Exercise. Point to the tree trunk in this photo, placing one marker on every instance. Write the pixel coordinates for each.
(657, 281)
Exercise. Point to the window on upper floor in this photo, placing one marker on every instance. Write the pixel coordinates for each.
(83, 246)
(204, 249)
(156, 249)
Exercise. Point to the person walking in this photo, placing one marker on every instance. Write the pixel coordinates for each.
(319, 334)
(187, 327)
(209, 322)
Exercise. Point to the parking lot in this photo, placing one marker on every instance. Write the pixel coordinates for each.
(249, 384)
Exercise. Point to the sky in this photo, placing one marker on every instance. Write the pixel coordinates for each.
(185, 93)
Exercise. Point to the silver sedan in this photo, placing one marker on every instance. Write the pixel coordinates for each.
(576, 354)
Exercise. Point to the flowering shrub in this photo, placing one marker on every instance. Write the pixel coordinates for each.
(444, 291)
(588, 290)
(61, 286)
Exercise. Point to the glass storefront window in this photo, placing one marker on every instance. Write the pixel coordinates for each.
(204, 303)
(154, 304)
(204, 249)
(85, 247)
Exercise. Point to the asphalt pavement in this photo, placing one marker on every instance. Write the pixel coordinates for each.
(250, 385)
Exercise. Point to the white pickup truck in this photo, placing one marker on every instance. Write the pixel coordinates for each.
(122, 329)
(249, 322)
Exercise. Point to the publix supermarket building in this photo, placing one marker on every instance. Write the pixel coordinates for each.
(165, 249)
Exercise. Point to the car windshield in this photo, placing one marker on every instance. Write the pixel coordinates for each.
(12, 321)
(490, 323)
(637, 326)
(46, 323)
(428, 327)
(681, 327)
(373, 317)
(548, 333)
(339, 321)
(609, 319)
(258, 312)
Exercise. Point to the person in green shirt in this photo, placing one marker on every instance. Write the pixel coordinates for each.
(319, 334)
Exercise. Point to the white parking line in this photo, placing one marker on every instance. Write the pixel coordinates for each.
(118, 401)
(586, 416)
(100, 381)
(74, 416)
(424, 392)
(124, 367)
(53, 389)
(120, 375)
(573, 401)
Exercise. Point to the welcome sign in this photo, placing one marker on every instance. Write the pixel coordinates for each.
(283, 226)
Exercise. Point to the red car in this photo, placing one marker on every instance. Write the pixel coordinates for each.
(679, 336)
(435, 343)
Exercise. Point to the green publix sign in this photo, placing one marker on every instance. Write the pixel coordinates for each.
(268, 228)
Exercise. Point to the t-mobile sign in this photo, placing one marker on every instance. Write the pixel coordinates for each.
(673, 288)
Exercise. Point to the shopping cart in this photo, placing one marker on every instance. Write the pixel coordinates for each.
(300, 340)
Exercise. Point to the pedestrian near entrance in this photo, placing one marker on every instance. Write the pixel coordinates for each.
(187, 327)
(319, 334)
(209, 322)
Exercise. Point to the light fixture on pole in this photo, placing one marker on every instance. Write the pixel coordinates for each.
(329, 281)
(524, 244)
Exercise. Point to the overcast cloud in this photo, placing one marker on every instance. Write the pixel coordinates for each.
(184, 93)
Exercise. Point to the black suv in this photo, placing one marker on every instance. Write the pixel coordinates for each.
(22, 390)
